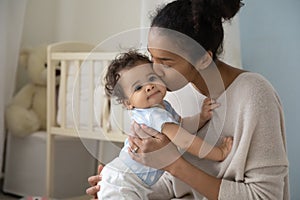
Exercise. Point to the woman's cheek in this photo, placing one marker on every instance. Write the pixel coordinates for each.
(175, 81)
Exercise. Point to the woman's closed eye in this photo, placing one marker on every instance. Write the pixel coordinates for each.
(166, 66)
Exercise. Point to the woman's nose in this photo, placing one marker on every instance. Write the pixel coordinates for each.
(158, 69)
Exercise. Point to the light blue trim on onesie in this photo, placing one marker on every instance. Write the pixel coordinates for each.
(153, 117)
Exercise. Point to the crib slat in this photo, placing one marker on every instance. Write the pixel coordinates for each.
(106, 110)
(76, 95)
(51, 94)
(113, 136)
(82, 56)
(91, 96)
(63, 88)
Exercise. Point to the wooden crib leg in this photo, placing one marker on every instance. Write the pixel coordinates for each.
(49, 165)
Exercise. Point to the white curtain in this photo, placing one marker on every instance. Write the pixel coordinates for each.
(11, 26)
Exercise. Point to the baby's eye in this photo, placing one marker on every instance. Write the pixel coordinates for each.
(137, 88)
(152, 78)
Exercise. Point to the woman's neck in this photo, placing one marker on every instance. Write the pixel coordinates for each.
(216, 78)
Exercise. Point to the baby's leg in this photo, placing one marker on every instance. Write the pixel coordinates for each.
(115, 183)
(119, 182)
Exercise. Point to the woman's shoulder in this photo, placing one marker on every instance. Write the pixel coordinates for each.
(255, 85)
(253, 80)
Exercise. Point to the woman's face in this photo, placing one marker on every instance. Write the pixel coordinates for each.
(169, 62)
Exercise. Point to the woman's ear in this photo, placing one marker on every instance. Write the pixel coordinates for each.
(204, 61)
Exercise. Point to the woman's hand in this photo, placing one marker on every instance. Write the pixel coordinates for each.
(93, 180)
(152, 148)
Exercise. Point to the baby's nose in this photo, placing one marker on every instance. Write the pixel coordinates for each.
(149, 87)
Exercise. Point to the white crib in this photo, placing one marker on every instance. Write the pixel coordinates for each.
(71, 109)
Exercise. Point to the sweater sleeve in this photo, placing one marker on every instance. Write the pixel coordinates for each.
(259, 168)
(261, 183)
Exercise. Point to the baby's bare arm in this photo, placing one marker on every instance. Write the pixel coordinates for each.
(193, 123)
(182, 138)
(193, 144)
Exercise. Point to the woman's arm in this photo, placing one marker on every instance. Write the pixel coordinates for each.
(256, 182)
(205, 184)
(159, 152)
(260, 183)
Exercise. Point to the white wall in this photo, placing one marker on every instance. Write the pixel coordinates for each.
(89, 21)
(39, 22)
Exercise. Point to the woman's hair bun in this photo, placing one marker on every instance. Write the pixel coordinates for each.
(225, 9)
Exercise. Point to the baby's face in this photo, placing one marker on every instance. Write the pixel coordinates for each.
(142, 87)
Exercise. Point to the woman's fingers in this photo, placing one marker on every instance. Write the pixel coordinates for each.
(149, 131)
(153, 152)
(142, 131)
(151, 148)
(135, 142)
(138, 131)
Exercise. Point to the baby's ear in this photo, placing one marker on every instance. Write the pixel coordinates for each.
(128, 105)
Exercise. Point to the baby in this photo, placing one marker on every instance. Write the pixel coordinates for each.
(131, 80)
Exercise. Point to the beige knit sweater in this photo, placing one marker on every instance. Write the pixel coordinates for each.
(257, 167)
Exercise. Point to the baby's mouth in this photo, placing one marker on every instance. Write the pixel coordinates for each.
(153, 94)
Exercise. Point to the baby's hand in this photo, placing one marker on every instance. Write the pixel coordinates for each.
(225, 147)
(207, 109)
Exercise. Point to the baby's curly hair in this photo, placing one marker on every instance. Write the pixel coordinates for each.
(122, 61)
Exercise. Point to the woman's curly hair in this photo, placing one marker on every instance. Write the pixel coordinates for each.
(201, 20)
(122, 61)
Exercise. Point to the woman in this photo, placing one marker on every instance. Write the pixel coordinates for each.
(257, 167)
